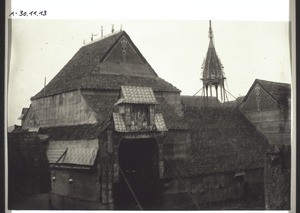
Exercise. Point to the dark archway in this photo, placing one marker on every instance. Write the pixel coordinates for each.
(138, 160)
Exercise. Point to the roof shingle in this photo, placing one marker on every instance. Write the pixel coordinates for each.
(79, 72)
(137, 95)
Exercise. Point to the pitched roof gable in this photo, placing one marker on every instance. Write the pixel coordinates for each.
(81, 70)
(279, 92)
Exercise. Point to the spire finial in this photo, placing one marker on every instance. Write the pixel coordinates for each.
(210, 32)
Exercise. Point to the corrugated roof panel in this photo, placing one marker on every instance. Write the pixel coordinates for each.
(137, 95)
(160, 122)
(54, 154)
(81, 156)
(80, 152)
(119, 123)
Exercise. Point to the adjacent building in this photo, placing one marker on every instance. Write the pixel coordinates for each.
(268, 106)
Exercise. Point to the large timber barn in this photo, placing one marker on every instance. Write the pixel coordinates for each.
(121, 137)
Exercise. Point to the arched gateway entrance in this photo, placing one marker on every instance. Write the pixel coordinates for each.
(139, 174)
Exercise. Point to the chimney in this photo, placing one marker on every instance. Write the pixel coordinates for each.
(101, 31)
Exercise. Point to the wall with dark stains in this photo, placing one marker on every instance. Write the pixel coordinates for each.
(212, 188)
(58, 110)
(277, 178)
(81, 193)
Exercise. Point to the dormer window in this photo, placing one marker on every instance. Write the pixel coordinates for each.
(137, 110)
(140, 116)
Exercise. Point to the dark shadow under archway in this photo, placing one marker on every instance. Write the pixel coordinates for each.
(138, 159)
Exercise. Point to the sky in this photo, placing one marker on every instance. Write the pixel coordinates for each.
(174, 48)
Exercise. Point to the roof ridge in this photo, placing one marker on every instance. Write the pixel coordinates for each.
(272, 82)
(104, 37)
(78, 74)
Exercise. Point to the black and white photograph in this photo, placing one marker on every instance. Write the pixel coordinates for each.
(149, 114)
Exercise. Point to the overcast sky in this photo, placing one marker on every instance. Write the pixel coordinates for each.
(175, 50)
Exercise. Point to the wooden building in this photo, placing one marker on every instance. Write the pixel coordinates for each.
(106, 85)
(120, 138)
(267, 106)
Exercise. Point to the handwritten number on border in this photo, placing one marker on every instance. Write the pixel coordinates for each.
(30, 13)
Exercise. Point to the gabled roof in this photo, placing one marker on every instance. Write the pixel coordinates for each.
(136, 95)
(223, 140)
(200, 101)
(279, 92)
(80, 71)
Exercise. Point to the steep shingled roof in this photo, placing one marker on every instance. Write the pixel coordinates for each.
(279, 92)
(79, 72)
(222, 140)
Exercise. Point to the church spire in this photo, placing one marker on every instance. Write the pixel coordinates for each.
(213, 75)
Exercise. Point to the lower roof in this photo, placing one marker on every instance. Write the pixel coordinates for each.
(103, 105)
(222, 140)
